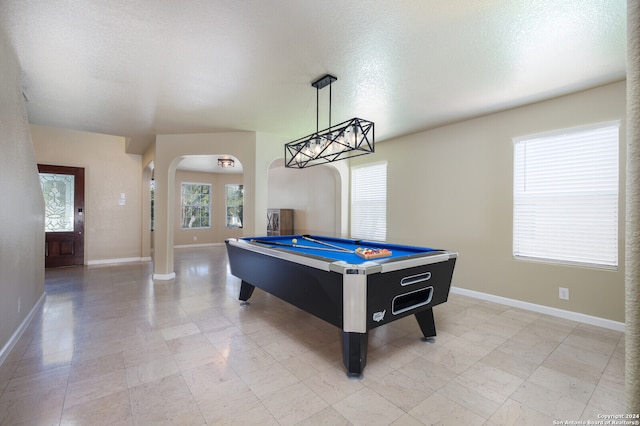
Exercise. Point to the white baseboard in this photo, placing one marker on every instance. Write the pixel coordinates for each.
(121, 260)
(575, 316)
(198, 245)
(4, 353)
(164, 277)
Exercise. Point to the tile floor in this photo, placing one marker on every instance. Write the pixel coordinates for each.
(111, 347)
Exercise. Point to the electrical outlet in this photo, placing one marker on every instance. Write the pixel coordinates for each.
(563, 293)
(19, 304)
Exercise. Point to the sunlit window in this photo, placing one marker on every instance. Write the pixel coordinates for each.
(196, 205)
(234, 202)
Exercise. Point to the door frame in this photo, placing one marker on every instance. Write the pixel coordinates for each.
(75, 237)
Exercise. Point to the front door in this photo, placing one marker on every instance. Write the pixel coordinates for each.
(63, 190)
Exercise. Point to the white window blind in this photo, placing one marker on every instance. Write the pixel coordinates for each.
(566, 197)
(369, 202)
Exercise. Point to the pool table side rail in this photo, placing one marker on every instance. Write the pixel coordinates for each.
(328, 264)
(317, 262)
(316, 291)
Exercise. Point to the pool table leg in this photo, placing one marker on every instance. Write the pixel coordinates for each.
(246, 290)
(427, 325)
(354, 352)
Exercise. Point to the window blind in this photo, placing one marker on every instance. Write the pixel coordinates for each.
(566, 197)
(369, 202)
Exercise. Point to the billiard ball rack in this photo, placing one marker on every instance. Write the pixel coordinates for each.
(371, 253)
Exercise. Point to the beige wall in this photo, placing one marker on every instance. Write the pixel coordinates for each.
(218, 231)
(112, 231)
(169, 150)
(221, 206)
(451, 187)
(269, 149)
(21, 209)
(313, 193)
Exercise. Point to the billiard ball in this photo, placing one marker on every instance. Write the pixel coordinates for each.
(294, 241)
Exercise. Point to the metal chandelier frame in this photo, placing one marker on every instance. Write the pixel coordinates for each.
(348, 139)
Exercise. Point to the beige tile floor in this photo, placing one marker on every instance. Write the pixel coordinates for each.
(110, 346)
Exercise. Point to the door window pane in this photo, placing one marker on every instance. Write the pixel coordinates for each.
(58, 199)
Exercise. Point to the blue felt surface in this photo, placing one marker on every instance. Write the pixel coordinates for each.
(396, 249)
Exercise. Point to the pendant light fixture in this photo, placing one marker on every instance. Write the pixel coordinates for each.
(348, 139)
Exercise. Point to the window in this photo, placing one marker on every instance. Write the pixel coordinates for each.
(566, 197)
(369, 202)
(59, 201)
(235, 201)
(196, 205)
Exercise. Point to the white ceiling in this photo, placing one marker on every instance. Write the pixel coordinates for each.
(145, 67)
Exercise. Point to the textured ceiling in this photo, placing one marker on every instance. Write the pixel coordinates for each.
(139, 68)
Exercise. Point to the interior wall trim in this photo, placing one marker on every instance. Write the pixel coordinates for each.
(561, 313)
(11, 343)
(121, 260)
(198, 245)
(164, 277)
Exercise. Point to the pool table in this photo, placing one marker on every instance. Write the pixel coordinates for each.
(326, 277)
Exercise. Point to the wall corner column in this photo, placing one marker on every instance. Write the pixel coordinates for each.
(164, 174)
(632, 252)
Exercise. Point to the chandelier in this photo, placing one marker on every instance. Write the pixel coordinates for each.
(348, 139)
